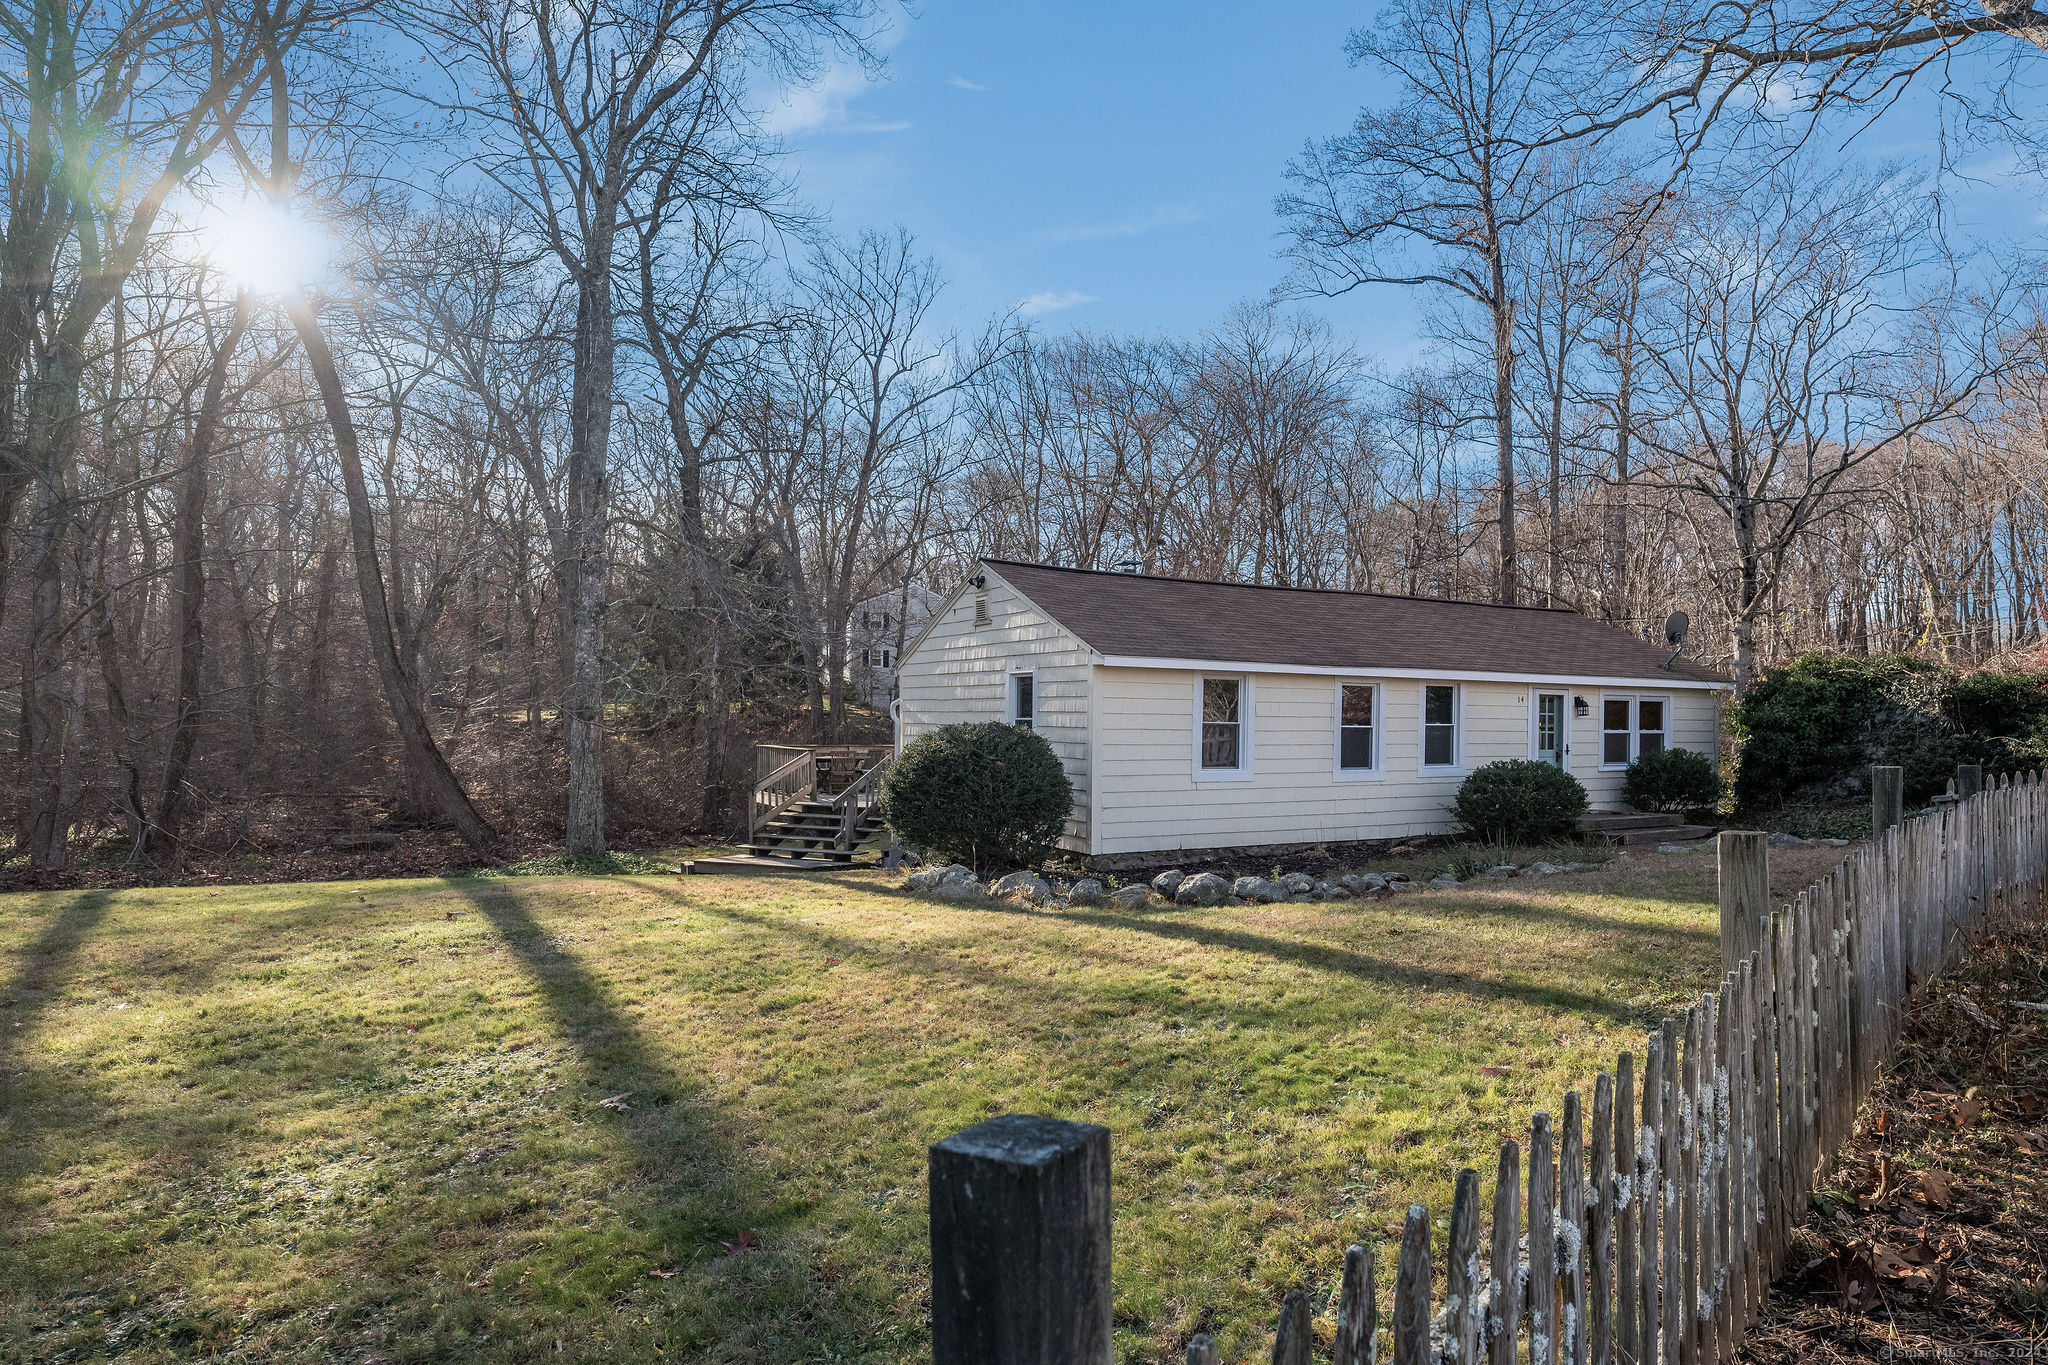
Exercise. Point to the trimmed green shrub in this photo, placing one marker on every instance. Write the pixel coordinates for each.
(987, 795)
(1813, 728)
(1519, 801)
(1675, 779)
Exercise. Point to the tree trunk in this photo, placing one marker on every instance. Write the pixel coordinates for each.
(422, 755)
(717, 730)
(159, 844)
(1624, 417)
(1504, 423)
(1750, 599)
(590, 419)
(52, 423)
(120, 731)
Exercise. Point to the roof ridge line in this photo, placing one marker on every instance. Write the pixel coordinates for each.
(1279, 587)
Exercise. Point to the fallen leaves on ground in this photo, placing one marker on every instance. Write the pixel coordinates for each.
(1941, 1246)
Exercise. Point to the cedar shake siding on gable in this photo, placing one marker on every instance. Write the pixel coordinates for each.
(1132, 615)
(1118, 663)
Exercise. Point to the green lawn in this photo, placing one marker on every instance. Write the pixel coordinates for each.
(632, 1118)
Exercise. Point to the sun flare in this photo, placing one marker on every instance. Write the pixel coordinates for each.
(262, 246)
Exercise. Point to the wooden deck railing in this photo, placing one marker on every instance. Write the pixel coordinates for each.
(1654, 1232)
(785, 774)
(780, 788)
(858, 798)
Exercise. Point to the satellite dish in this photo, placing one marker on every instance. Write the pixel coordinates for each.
(1675, 626)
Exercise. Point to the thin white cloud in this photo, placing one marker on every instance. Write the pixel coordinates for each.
(1171, 216)
(821, 107)
(1051, 301)
(962, 83)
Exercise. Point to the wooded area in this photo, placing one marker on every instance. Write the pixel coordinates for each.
(459, 417)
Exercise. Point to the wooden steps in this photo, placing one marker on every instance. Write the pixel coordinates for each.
(750, 864)
(1635, 828)
(811, 829)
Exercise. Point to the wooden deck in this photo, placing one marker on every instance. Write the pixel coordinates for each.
(748, 864)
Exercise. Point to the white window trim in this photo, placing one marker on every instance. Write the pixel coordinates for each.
(1456, 768)
(1535, 694)
(1010, 694)
(1246, 730)
(1635, 725)
(1378, 771)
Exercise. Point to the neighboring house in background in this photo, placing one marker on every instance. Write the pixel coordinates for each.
(876, 634)
(1194, 715)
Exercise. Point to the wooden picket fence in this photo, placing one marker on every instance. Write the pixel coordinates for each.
(1655, 1227)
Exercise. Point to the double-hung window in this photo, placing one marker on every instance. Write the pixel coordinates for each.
(1441, 746)
(1223, 732)
(1024, 700)
(1358, 733)
(1631, 726)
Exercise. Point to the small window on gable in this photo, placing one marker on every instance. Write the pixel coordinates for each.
(1357, 727)
(1023, 701)
(1440, 726)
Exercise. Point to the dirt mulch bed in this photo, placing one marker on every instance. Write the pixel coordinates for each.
(1929, 1240)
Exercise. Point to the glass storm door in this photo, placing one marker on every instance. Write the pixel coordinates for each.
(1551, 744)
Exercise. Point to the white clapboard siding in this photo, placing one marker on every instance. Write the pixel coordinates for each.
(961, 672)
(1146, 796)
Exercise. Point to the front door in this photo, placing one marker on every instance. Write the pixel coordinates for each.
(1552, 743)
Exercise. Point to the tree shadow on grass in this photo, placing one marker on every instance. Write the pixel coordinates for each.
(42, 1109)
(38, 1101)
(1451, 904)
(43, 966)
(1318, 957)
(700, 1189)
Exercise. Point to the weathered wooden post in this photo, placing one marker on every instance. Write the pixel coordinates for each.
(1020, 1244)
(1969, 779)
(1887, 798)
(1745, 856)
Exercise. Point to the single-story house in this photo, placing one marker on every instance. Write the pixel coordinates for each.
(1206, 716)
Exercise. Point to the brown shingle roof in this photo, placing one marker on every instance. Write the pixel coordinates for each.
(1143, 616)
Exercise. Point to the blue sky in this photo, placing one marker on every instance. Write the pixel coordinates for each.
(1112, 166)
